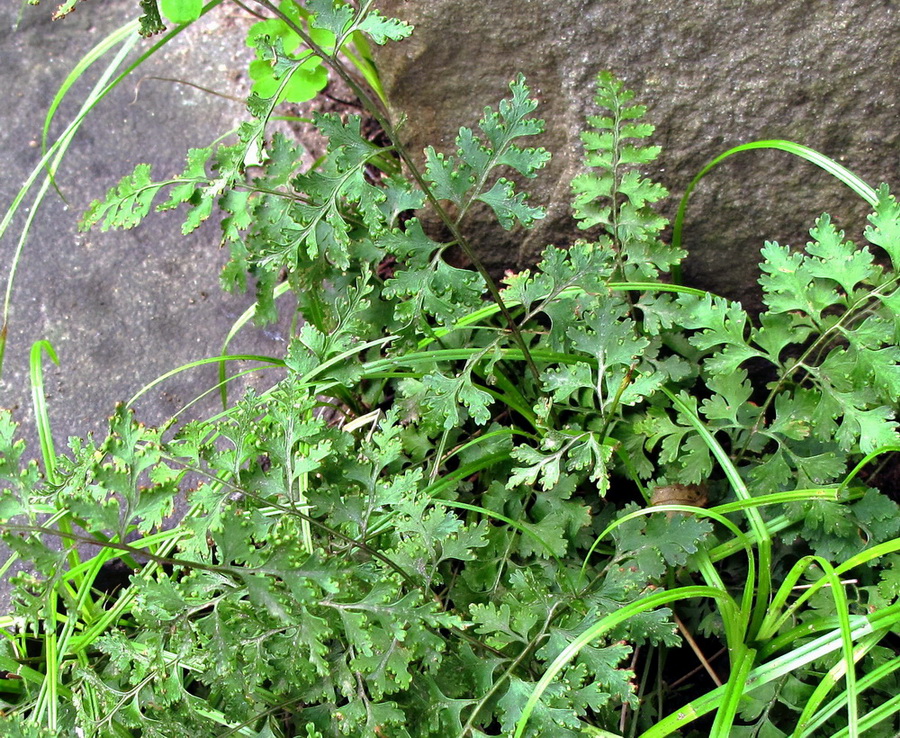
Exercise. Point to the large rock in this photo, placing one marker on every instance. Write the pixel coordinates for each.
(714, 75)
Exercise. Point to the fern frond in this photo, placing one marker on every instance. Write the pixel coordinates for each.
(128, 203)
(462, 180)
(616, 196)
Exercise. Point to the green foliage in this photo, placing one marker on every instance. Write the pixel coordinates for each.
(462, 182)
(443, 520)
(63, 9)
(181, 11)
(303, 32)
(310, 77)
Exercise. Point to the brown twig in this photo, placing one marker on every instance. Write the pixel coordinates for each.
(699, 654)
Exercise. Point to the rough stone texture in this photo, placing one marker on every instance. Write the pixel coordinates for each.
(121, 308)
(714, 75)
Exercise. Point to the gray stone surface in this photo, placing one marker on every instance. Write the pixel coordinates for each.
(120, 308)
(714, 74)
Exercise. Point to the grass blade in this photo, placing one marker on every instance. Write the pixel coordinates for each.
(39, 401)
(595, 631)
(764, 540)
(244, 318)
(50, 162)
(854, 182)
(127, 36)
(201, 362)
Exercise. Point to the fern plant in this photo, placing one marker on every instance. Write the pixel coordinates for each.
(446, 519)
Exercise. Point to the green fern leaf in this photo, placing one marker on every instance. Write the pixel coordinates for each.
(609, 336)
(538, 466)
(884, 230)
(721, 325)
(381, 29)
(335, 16)
(181, 11)
(126, 204)
(616, 197)
(837, 259)
(730, 401)
(461, 180)
(150, 21)
(447, 394)
(510, 206)
(868, 428)
(790, 285)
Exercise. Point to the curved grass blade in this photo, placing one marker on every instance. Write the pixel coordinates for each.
(524, 530)
(861, 626)
(39, 402)
(854, 182)
(82, 65)
(488, 311)
(127, 36)
(245, 317)
(200, 362)
(734, 688)
(595, 631)
(45, 435)
(217, 388)
(50, 161)
(870, 719)
(812, 718)
(858, 560)
(864, 463)
(763, 538)
(735, 618)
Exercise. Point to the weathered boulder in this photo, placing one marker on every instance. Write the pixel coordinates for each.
(714, 75)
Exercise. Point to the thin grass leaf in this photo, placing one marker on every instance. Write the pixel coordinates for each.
(883, 712)
(39, 402)
(812, 717)
(50, 161)
(874, 717)
(741, 664)
(127, 36)
(860, 559)
(82, 65)
(841, 173)
(245, 317)
(763, 539)
(525, 530)
(735, 618)
(864, 462)
(840, 603)
(201, 362)
(489, 311)
(595, 631)
(778, 667)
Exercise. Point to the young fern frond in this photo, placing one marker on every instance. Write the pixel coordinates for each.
(127, 204)
(432, 287)
(616, 197)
